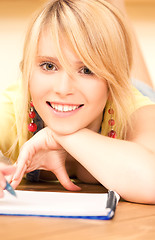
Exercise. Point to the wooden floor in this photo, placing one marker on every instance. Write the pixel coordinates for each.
(131, 222)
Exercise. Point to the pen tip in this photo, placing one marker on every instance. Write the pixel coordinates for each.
(14, 194)
(10, 189)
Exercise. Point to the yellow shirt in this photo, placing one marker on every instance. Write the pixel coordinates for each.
(9, 122)
(9, 111)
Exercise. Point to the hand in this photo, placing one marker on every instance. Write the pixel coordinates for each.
(43, 152)
(5, 170)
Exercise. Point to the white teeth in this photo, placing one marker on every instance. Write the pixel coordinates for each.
(60, 108)
(63, 108)
(66, 108)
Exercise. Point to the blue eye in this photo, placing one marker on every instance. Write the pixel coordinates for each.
(86, 71)
(48, 66)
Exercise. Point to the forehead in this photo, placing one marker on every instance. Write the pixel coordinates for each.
(48, 47)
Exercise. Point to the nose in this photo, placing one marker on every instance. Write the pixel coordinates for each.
(63, 85)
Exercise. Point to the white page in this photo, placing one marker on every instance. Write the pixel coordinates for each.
(54, 203)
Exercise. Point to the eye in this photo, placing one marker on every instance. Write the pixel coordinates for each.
(86, 71)
(48, 66)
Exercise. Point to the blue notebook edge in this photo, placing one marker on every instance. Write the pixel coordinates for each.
(108, 217)
(111, 204)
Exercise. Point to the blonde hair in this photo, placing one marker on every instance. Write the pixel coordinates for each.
(100, 36)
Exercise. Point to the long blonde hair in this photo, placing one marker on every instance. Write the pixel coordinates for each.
(100, 36)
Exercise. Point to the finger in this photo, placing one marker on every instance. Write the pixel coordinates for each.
(2, 184)
(64, 179)
(29, 149)
(8, 169)
(15, 182)
(23, 160)
(16, 179)
(2, 181)
(9, 177)
(1, 192)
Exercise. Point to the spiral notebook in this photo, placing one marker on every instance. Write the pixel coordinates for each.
(60, 204)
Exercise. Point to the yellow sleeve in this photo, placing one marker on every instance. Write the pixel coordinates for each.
(8, 128)
(140, 100)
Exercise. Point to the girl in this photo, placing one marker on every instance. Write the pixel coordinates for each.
(91, 122)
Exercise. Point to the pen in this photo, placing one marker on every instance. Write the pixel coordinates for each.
(10, 189)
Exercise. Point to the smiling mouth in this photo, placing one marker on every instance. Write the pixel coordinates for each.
(64, 107)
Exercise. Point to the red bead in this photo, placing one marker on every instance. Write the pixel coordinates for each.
(111, 122)
(32, 114)
(111, 111)
(31, 104)
(112, 134)
(32, 127)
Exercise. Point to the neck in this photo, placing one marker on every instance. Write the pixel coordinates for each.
(96, 125)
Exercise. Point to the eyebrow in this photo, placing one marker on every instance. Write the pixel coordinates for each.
(54, 59)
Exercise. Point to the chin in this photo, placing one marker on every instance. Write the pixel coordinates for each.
(64, 130)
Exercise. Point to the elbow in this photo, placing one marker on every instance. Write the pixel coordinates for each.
(144, 195)
(149, 186)
(143, 190)
(147, 190)
(149, 193)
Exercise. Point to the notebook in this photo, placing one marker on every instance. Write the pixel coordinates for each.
(60, 204)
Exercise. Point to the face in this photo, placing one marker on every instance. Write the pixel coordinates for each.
(66, 102)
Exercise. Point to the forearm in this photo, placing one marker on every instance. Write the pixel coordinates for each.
(123, 166)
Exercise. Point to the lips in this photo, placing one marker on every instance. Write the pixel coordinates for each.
(64, 107)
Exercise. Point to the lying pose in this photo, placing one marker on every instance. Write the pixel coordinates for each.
(89, 121)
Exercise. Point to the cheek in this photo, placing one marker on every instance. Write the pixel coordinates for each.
(37, 86)
(99, 95)
(33, 84)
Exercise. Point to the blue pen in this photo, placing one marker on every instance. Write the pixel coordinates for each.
(10, 189)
